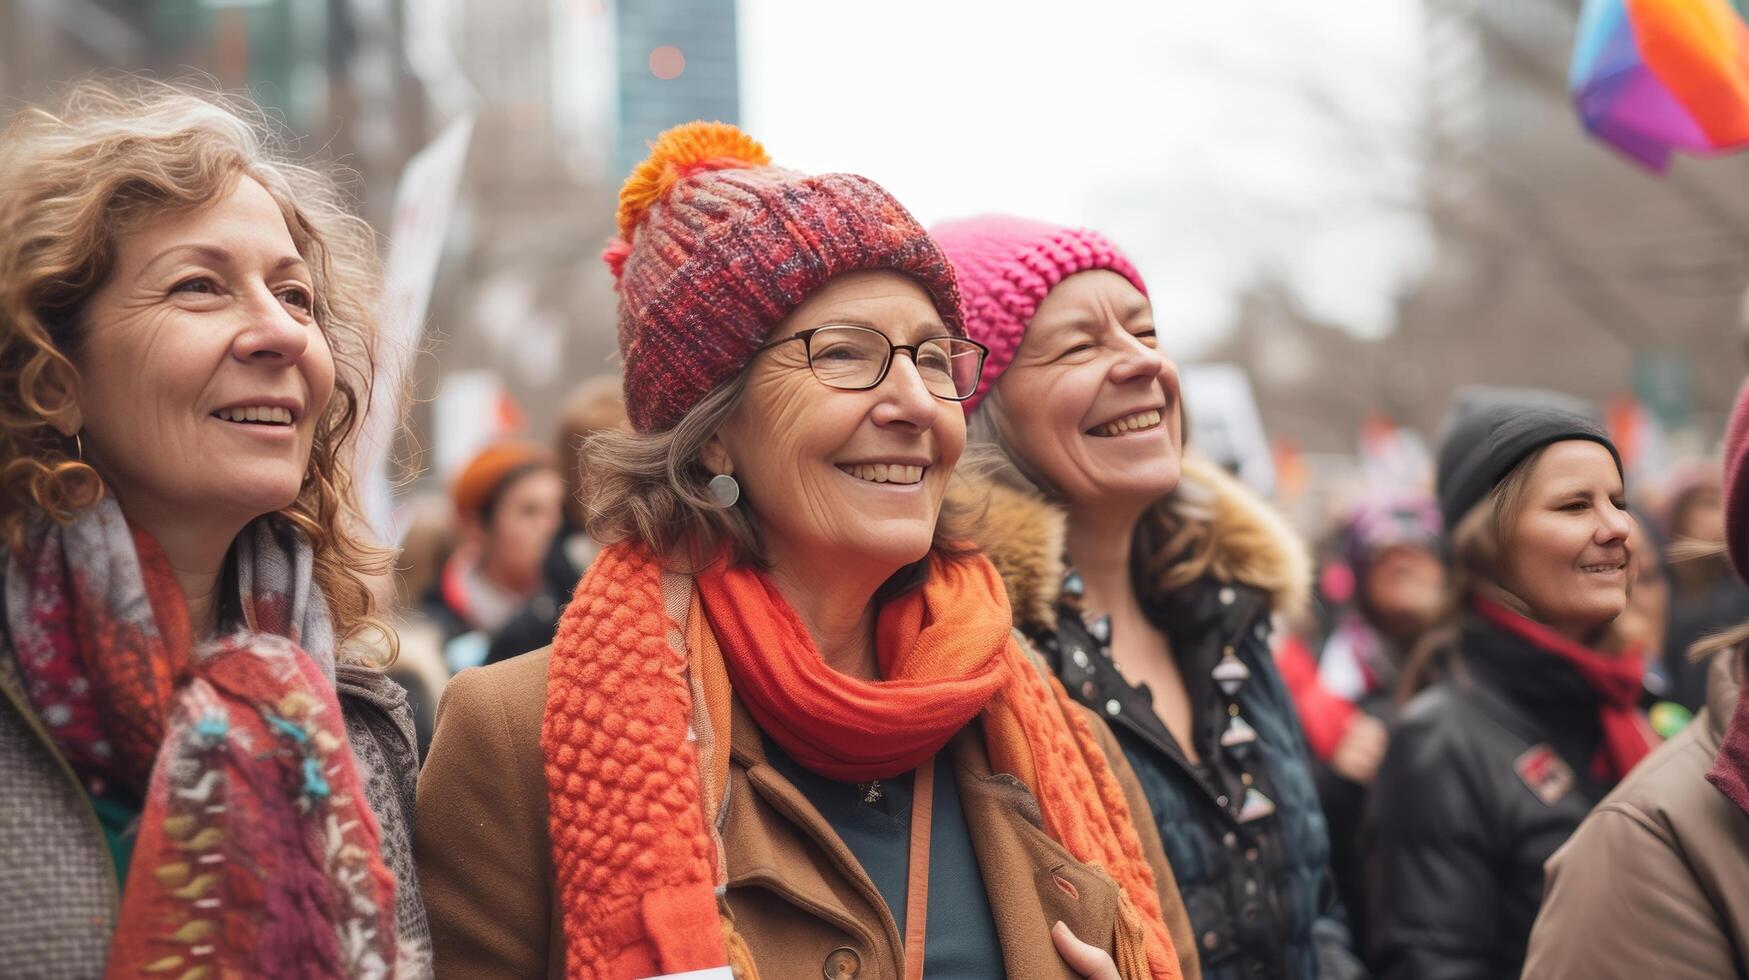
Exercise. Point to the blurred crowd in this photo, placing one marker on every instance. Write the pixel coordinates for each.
(876, 615)
(486, 570)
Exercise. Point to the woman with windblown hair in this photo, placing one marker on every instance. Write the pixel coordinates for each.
(198, 780)
(784, 724)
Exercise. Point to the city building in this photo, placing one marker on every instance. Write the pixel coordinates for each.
(677, 62)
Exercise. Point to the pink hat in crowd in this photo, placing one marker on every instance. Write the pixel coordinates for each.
(1736, 485)
(1005, 266)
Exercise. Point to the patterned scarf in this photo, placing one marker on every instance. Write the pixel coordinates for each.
(639, 867)
(257, 852)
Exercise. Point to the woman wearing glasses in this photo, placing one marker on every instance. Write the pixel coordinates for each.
(784, 724)
(1148, 580)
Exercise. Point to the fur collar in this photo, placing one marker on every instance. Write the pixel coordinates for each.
(1024, 537)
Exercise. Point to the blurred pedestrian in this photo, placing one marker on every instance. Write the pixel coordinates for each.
(1655, 882)
(858, 771)
(1644, 625)
(1336, 731)
(1390, 545)
(198, 780)
(420, 667)
(1148, 580)
(1490, 769)
(594, 406)
(1705, 597)
(1400, 592)
(426, 546)
(507, 507)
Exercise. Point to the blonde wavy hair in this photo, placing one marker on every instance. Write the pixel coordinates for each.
(1474, 547)
(118, 152)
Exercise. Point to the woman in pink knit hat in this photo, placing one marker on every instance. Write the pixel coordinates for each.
(1148, 580)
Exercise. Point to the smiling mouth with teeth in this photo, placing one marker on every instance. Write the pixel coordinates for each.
(885, 472)
(1614, 566)
(257, 415)
(1138, 422)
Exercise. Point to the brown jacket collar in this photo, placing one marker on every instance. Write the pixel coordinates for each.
(1255, 546)
(771, 829)
(1723, 686)
(758, 852)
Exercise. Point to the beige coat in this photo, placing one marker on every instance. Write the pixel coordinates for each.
(1655, 883)
(797, 894)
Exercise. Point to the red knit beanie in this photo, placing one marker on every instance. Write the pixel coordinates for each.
(1736, 485)
(717, 246)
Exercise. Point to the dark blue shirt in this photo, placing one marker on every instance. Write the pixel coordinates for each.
(875, 824)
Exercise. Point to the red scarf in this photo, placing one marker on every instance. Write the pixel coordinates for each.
(257, 852)
(638, 868)
(940, 652)
(1616, 679)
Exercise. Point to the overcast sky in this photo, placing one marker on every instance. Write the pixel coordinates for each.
(1216, 142)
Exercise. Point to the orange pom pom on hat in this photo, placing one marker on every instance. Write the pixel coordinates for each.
(717, 246)
(485, 476)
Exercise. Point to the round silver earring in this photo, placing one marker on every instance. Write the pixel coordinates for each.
(725, 490)
(79, 447)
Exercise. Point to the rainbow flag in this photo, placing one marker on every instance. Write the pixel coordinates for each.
(1651, 77)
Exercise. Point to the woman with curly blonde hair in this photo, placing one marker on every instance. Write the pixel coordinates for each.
(198, 783)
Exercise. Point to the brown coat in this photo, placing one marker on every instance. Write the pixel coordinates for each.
(798, 895)
(1655, 883)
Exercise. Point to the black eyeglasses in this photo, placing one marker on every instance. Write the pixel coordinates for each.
(852, 358)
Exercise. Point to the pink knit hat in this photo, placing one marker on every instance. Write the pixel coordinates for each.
(1005, 266)
(1736, 485)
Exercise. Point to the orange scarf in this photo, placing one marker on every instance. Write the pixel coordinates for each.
(636, 862)
(940, 650)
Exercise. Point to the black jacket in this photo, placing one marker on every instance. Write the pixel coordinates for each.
(1242, 828)
(1258, 890)
(1487, 774)
(1345, 802)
